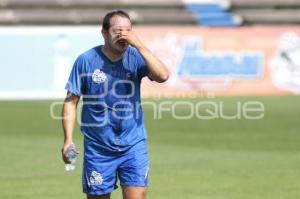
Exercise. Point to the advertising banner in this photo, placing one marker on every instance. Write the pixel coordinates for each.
(226, 61)
(36, 61)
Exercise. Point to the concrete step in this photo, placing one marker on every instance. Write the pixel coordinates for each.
(92, 16)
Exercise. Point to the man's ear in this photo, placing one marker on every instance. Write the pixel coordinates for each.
(104, 33)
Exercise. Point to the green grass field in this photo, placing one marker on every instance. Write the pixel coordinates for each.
(190, 159)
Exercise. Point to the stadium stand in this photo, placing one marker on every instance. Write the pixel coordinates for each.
(221, 13)
(87, 12)
(213, 12)
(263, 12)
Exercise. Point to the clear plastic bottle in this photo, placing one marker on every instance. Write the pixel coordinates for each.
(71, 154)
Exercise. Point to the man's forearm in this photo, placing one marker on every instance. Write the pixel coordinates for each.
(158, 71)
(68, 121)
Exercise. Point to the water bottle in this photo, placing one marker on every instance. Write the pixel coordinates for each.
(71, 154)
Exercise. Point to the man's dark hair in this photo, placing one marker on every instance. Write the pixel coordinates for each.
(108, 16)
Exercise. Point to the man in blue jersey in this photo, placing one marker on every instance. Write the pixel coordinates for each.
(108, 78)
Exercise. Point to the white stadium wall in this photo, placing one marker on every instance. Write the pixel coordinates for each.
(36, 61)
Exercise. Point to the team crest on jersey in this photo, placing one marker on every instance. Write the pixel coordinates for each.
(99, 76)
(96, 178)
(128, 75)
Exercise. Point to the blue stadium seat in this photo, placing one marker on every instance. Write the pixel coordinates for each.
(213, 15)
(204, 8)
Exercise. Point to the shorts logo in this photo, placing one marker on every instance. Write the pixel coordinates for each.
(99, 76)
(96, 178)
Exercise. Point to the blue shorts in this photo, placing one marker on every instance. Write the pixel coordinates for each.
(100, 172)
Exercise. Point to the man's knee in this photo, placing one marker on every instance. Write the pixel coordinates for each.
(134, 192)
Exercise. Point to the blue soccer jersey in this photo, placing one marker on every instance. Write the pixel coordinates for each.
(112, 117)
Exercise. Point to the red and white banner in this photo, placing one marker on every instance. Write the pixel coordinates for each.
(225, 61)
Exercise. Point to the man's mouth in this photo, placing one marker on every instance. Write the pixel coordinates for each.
(122, 43)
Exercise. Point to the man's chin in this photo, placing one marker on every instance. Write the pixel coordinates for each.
(122, 48)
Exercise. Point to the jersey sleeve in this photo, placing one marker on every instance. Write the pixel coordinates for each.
(75, 83)
(142, 68)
